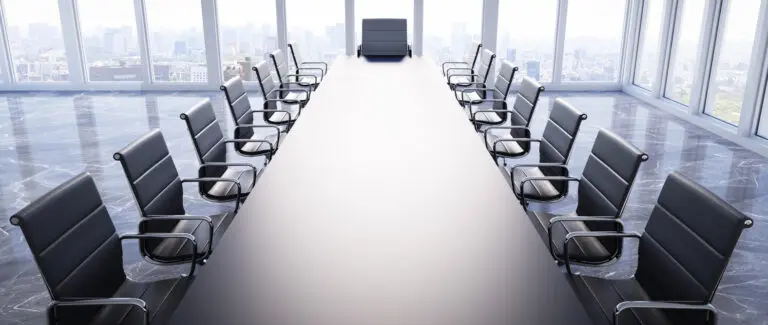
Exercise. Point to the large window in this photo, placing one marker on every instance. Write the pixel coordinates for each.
(317, 28)
(248, 33)
(450, 28)
(729, 78)
(176, 45)
(593, 37)
(648, 48)
(383, 9)
(684, 60)
(110, 45)
(526, 36)
(35, 39)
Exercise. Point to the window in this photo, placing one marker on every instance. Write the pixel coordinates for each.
(450, 28)
(380, 9)
(592, 49)
(35, 40)
(648, 49)
(246, 40)
(729, 78)
(317, 28)
(683, 62)
(176, 45)
(530, 49)
(108, 37)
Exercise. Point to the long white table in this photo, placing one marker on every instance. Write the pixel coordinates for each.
(381, 207)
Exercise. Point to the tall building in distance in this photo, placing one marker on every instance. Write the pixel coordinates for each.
(179, 48)
(533, 69)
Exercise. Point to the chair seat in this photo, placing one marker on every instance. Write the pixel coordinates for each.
(179, 249)
(295, 97)
(228, 190)
(608, 293)
(469, 97)
(260, 148)
(291, 113)
(309, 81)
(582, 249)
(535, 190)
(461, 81)
(487, 118)
(162, 298)
(504, 148)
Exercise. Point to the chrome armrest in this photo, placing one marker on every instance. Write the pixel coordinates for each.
(207, 219)
(556, 220)
(513, 127)
(679, 305)
(271, 148)
(453, 63)
(113, 301)
(495, 143)
(324, 64)
(596, 234)
(314, 77)
(462, 75)
(322, 72)
(448, 71)
(465, 90)
(290, 114)
(290, 90)
(256, 126)
(216, 179)
(504, 111)
(544, 178)
(152, 235)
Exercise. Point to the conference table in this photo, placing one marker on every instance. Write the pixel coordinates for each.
(382, 206)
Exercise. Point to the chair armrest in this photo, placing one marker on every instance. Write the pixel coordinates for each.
(290, 114)
(216, 179)
(596, 234)
(207, 219)
(496, 143)
(113, 301)
(497, 111)
(544, 178)
(322, 72)
(256, 126)
(314, 77)
(324, 64)
(462, 75)
(290, 90)
(479, 89)
(508, 127)
(556, 220)
(622, 306)
(304, 87)
(271, 148)
(152, 235)
(448, 71)
(452, 63)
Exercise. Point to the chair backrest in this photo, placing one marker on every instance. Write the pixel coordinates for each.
(474, 53)
(504, 79)
(484, 65)
(153, 178)
(606, 182)
(267, 85)
(74, 244)
(686, 246)
(525, 104)
(384, 36)
(295, 56)
(239, 106)
(207, 138)
(281, 67)
(558, 139)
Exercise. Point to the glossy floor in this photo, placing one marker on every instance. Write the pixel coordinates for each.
(47, 138)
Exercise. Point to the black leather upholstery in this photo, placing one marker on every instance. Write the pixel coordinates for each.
(554, 149)
(79, 255)
(273, 98)
(211, 147)
(604, 189)
(384, 37)
(682, 255)
(476, 110)
(157, 188)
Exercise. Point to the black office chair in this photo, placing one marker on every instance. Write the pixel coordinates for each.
(242, 114)
(384, 37)
(604, 188)
(277, 110)
(79, 255)
(682, 256)
(210, 143)
(465, 65)
(554, 146)
(474, 100)
(157, 189)
(522, 109)
(288, 80)
(473, 77)
(300, 65)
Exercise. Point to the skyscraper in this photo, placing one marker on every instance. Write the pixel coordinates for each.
(533, 69)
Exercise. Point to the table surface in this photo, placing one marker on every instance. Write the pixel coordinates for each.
(381, 207)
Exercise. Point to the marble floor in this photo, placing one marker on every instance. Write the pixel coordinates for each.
(46, 138)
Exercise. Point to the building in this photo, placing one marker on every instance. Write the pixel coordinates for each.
(198, 74)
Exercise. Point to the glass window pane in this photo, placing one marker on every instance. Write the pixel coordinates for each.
(648, 48)
(593, 46)
(530, 49)
(450, 27)
(730, 73)
(35, 39)
(245, 40)
(317, 28)
(176, 45)
(684, 60)
(377, 9)
(108, 31)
